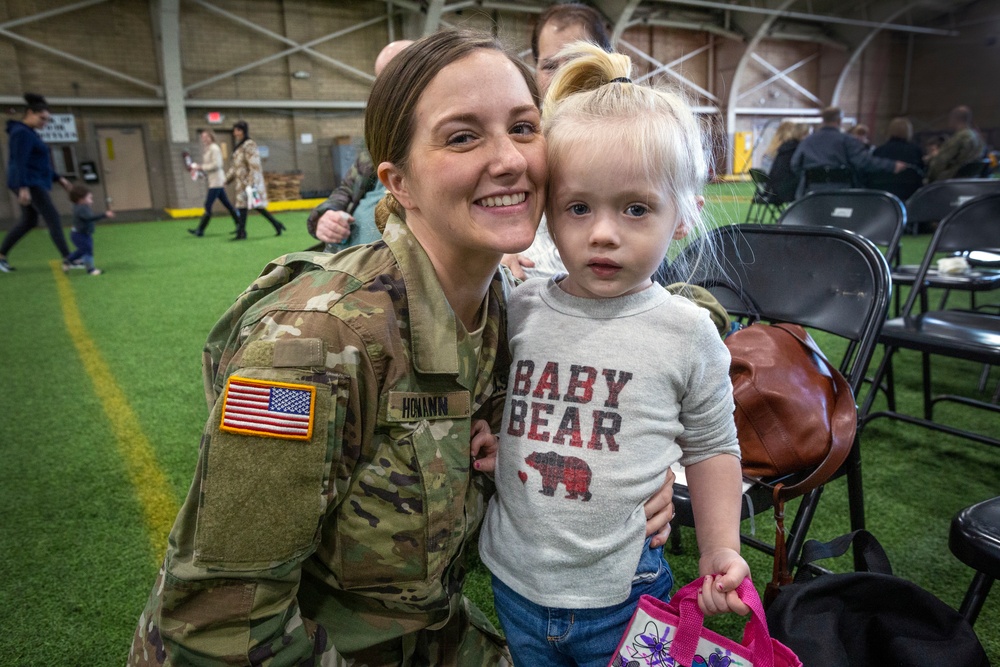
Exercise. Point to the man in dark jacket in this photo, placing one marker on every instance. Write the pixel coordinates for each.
(829, 147)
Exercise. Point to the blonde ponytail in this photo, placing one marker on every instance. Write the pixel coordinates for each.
(588, 68)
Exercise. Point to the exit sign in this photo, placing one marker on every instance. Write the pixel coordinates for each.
(214, 117)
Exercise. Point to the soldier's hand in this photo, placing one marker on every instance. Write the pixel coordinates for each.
(517, 264)
(334, 226)
(484, 447)
(660, 511)
(23, 196)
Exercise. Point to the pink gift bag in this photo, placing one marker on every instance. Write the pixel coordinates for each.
(673, 634)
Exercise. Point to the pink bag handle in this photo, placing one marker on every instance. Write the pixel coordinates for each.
(756, 638)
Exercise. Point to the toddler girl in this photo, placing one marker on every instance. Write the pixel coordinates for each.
(612, 380)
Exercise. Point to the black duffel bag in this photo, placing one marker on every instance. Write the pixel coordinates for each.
(866, 619)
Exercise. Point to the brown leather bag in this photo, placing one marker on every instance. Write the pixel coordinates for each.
(795, 413)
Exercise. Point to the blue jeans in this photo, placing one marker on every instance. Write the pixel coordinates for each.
(84, 249)
(553, 637)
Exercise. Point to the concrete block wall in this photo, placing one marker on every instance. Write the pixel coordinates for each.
(122, 35)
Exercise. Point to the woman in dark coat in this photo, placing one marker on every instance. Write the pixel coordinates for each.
(899, 146)
(30, 175)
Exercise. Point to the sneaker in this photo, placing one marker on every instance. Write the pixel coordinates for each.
(95, 272)
(5, 267)
(76, 264)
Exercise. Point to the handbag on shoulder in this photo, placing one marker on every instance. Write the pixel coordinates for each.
(795, 413)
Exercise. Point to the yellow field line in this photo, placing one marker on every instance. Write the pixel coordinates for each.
(159, 506)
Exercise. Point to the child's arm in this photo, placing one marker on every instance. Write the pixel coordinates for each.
(716, 487)
(484, 447)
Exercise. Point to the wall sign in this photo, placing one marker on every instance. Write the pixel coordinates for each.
(60, 130)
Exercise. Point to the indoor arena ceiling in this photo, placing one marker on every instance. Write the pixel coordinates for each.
(741, 19)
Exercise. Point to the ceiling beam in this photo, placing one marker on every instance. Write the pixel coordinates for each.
(804, 16)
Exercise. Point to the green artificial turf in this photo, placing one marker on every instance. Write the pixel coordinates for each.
(78, 565)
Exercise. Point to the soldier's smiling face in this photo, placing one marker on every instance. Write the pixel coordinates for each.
(474, 184)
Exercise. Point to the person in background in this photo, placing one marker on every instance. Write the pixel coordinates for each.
(963, 146)
(559, 25)
(899, 146)
(781, 180)
(214, 169)
(30, 176)
(84, 223)
(626, 170)
(347, 217)
(831, 148)
(246, 170)
(333, 528)
(862, 134)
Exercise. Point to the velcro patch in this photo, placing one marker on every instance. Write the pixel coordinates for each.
(410, 406)
(268, 409)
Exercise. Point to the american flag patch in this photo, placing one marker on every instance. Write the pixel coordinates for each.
(269, 409)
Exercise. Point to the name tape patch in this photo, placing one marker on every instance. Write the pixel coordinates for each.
(408, 406)
(268, 409)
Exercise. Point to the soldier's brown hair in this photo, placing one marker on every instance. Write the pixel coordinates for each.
(389, 116)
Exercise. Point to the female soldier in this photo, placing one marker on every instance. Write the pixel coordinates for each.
(336, 488)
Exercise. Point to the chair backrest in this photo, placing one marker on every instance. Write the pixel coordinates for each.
(973, 226)
(934, 201)
(974, 169)
(878, 216)
(759, 177)
(820, 277)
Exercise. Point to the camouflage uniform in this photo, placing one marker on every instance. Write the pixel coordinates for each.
(359, 181)
(346, 548)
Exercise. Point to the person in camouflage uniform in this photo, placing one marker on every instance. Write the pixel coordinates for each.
(336, 492)
(963, 146)
(351, 541)
(333, 221)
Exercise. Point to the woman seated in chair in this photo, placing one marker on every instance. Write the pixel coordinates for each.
(899, 146)
(781, 180)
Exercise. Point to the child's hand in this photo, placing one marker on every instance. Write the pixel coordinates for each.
(723, 569)
(109, 213)
(484, 447)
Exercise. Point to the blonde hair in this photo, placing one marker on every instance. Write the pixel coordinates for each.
(210, 133)
(591, 93)
(788, 129)
(900, 128)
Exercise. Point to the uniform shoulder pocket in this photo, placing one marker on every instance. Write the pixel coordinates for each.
(270, 445)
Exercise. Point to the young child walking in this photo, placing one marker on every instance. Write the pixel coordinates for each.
(82, 234)
(612, 380)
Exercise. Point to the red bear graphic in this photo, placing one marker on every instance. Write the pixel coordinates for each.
(574, 473)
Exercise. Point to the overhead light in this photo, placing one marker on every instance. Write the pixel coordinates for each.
(301, 74)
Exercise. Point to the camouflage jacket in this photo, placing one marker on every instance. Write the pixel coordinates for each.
(358, 182)
(961, 148)
(313, 541)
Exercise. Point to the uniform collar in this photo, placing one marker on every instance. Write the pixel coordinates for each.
(433, 324)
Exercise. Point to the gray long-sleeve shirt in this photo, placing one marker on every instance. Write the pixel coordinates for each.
(603, 396)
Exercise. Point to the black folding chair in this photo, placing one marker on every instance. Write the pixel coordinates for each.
(818, 179)
(933, 202)
(764, 206)
(962, 334)
(824, 278)
(876, 215)
(975, 169)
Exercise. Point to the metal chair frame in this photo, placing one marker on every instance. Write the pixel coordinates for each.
(963, 334)
(823, 278)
